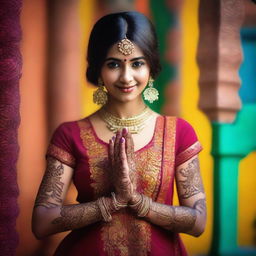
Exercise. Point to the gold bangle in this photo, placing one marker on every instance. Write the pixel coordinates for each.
(104, 209)
(143, 205)
(117, 205)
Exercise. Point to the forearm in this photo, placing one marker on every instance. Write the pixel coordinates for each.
(56, 219)
(179, 219)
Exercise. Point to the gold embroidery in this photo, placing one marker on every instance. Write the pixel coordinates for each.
(98, 160)
(61, 155)
(169, 157)
(148, 164)
(188, 153)
(126, 235)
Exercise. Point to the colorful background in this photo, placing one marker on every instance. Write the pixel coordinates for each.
(53, 89)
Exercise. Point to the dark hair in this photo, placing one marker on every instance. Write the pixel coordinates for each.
(116, 26)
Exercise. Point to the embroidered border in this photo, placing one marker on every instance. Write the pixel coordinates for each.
(148, 164)
(169, 157)
(61, 155)
(97, 158)
(188, 153)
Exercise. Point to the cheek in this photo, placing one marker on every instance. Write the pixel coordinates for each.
(143, 75)
(108, 76)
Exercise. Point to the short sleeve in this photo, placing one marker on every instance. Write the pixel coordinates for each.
(187, 144)
(60, 146)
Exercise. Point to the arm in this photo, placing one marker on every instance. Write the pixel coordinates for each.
(50, 215)
(190, 216)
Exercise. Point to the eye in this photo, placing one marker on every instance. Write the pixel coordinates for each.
(137, 64)
(113, 64)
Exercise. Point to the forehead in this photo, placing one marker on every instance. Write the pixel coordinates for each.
(114, 52)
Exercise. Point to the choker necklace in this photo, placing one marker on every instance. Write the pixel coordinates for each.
(134, 124)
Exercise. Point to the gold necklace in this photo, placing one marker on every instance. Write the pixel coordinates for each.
(134, 124)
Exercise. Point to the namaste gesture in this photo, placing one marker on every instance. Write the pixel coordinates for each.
(121, 153)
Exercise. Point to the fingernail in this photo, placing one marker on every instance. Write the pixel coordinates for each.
(122, 140)
(125, 130)
(114, 137)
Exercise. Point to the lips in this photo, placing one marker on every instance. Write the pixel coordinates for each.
(126, 88)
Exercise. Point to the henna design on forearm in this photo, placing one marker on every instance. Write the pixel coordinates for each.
(77, 216)
(176, 219)
(192, 183)
(51, 188)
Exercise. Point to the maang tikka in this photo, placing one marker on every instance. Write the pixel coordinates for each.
(100, 96)
(151, 94)
(125, 46)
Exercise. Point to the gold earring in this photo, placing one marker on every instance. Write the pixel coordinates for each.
(151, 94)
(100, 96)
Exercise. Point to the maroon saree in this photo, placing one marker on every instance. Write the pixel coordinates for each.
(77, 145)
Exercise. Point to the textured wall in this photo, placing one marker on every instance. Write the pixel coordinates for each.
(10, 72)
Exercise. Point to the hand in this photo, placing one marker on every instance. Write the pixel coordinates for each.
(129, 147)
(120, 168)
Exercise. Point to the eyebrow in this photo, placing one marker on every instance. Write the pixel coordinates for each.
(119, 60)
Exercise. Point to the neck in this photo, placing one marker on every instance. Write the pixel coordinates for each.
(125, 109)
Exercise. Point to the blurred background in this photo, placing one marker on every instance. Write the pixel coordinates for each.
(208, 52)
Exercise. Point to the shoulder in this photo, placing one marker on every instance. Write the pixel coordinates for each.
(180, 123)
(66, 129)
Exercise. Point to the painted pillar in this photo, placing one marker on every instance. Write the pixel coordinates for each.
(164, 19)
(219, 58)
(31, 162)
(63, 62)
(10, 73)
(171, 104)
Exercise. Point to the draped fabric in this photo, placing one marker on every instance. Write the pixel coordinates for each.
(10, 72)
(77, 145)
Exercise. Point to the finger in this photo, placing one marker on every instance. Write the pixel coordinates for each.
(123, 157)
(117, 147)
(111, 151)
(124, 131)
(129, 147)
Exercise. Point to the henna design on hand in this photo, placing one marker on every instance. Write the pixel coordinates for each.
(120, 168)
(192, 183)
(51, 188)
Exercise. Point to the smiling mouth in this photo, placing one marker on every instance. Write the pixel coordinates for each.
(126, 88)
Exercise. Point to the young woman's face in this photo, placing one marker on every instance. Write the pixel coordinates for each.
(125, 77)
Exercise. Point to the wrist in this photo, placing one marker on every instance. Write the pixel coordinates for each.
(141, 205)
(118, 202)
(135, 198)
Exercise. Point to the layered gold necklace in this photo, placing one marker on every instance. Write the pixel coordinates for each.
(134, 123)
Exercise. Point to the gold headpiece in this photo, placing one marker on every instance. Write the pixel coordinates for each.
(125, 46)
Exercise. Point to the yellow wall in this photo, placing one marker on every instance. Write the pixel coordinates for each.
(247, 201)
(190, 112)
(87, 18)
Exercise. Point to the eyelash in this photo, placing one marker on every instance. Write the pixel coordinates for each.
(135, 64)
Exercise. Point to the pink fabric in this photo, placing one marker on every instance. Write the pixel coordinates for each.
(185, 137)
(87, 240)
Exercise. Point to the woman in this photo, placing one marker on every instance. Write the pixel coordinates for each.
(123, 159)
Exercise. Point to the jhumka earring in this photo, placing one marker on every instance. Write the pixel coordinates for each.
(151, 94)
(100, 96)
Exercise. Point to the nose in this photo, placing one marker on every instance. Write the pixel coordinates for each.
(126, 76)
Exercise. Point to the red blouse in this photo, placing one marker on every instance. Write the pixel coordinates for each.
(76, 144)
